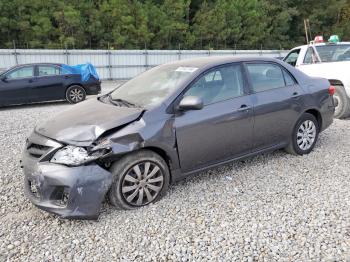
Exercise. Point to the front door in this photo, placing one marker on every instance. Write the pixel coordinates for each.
(15, 84)
(223, 128)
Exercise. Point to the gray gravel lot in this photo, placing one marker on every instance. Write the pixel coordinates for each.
(268, 208)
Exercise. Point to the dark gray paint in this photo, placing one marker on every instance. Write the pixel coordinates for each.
(190, 141)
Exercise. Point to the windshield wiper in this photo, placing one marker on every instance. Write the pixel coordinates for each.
(119, 101)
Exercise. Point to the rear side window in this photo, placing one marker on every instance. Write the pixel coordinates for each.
(48, 70)
(288, 78)
(265, 76)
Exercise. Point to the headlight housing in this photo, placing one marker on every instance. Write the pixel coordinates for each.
(75, 156)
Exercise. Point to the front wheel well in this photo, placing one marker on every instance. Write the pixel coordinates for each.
(317, 115)
(107, 162)
(160, 152)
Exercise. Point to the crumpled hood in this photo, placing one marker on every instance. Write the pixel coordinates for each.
(85, 122)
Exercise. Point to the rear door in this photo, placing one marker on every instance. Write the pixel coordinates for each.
(15, 84)
(223, 128)
(49, 83)
(277, 103)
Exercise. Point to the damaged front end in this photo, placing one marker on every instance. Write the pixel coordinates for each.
(66, 159)
(64, 180)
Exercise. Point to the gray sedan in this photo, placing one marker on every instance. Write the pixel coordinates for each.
(172, 121)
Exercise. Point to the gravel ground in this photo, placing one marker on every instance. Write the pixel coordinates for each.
(268, 208)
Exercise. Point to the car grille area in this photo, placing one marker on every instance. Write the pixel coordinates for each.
(36, 150)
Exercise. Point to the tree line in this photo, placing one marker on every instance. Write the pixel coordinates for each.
(169, 24)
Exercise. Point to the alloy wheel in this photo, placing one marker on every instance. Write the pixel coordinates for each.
(142, 183)
(306, 135)
(76, 95)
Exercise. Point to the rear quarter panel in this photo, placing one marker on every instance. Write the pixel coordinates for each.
(92, 86)
(317, 97)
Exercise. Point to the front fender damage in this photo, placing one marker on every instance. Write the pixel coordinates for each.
(134, 137)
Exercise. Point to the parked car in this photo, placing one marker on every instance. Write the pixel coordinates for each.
(330, 60)
(172, 121)
(32, 83)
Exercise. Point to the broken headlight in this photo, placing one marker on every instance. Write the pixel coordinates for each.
(75, 156)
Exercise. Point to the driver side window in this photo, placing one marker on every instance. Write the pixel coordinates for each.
(23, 72)
(218, 85)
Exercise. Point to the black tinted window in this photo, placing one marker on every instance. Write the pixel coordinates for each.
(265, 76)
(218, 85)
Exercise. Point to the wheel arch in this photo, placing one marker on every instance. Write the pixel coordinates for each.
(163, 154)
(316, 113)
(74, 84)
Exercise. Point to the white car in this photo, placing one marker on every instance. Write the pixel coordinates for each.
(329, 60)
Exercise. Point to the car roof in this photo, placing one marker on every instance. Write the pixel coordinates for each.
(204, 62)
(33, 64)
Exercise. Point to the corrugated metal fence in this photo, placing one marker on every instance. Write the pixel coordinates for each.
(118, 64)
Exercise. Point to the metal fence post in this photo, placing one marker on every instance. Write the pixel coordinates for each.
(67, 54)
(109, 53)
(15, 52)
(179, 52)
(145, 53)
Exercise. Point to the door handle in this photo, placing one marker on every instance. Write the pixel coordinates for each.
(31, 80)
(295, 94)
(243, 108)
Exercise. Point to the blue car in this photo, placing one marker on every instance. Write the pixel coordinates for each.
(31, 83)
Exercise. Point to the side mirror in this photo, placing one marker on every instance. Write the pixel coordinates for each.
(4, 78)
(190, 103)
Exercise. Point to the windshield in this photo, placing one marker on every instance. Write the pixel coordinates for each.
(153, 86)
(334, 53)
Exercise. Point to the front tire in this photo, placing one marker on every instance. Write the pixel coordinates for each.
(75, 94)
(342, 103)
(139, 178)
(305, 135)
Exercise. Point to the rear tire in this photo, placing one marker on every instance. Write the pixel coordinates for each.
(139, 178)
(342, 102)
(75, 94)
(305, 135)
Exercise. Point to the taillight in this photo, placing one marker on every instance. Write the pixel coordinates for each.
(331, 90)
